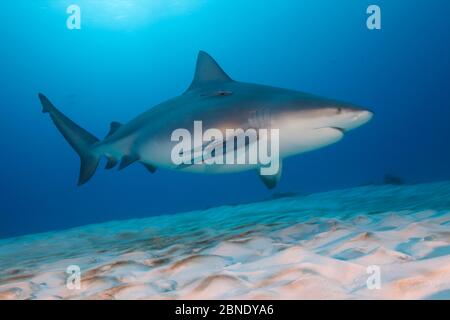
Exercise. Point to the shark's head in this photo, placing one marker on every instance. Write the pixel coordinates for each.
(335, 115)
(308, 122)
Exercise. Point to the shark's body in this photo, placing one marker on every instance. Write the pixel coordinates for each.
(305, 123)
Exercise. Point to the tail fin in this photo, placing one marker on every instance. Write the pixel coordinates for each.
(80, 140)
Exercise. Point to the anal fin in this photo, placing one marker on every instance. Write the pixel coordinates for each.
(149, 167)
(112, 162)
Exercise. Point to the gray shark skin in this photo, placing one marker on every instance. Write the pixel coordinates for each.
(305, 122)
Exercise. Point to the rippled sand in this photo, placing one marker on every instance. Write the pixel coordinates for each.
(316, 246)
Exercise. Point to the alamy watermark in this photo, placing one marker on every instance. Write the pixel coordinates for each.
(374, 20)
(73, 281)
(73, 22)
(374, 280)
(230, 146)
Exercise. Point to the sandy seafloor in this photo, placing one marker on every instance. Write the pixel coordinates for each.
(304, 247)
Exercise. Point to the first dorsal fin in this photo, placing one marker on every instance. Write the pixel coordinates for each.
(207, 71)
(113, 128)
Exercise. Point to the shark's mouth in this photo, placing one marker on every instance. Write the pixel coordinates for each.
(341, 130)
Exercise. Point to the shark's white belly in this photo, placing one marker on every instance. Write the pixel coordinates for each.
(301, 141)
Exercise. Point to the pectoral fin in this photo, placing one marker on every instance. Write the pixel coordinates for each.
(271, 181)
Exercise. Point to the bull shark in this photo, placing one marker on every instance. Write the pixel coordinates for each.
(305, 122)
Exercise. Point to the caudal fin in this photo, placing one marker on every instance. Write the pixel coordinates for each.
(81, 141)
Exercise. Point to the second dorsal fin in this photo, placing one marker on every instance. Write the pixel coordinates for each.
(113, 128)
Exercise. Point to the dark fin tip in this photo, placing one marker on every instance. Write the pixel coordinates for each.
(112, 162)
(128, 160)
(150, 168)
(46, 104)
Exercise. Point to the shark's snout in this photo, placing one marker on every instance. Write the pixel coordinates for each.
(356, 118)
(349, 118)
(365, 116)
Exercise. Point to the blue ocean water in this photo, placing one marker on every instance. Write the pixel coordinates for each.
(130, 55)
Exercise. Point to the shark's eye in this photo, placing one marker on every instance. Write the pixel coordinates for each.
(339, 110)
(223, 93)
(220, 93)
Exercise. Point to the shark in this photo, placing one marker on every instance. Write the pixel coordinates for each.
(305, 122)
